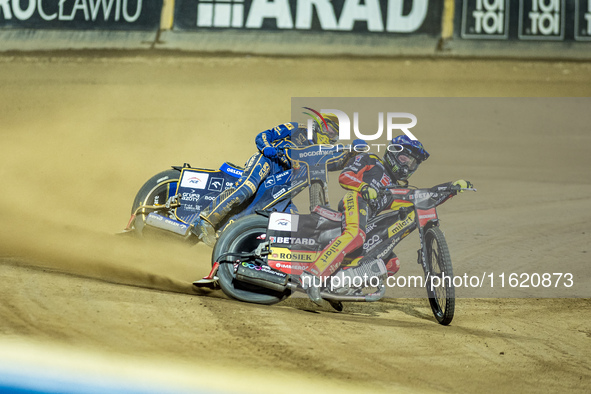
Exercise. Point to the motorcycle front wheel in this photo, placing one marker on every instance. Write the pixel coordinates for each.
(441, 292)
(316, 195)
(243, 236)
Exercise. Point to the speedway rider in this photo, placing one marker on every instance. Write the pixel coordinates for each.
(363, 176)
(270, 159)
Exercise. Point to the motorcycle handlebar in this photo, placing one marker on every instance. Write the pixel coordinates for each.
(451, 187)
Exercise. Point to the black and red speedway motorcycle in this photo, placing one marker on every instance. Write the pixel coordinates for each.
(260, 257)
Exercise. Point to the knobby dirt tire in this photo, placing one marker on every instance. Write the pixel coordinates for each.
(155, 186)
(241, 236)
(442, 298)
(316, 195)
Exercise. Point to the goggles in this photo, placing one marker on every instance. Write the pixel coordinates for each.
(407, 161)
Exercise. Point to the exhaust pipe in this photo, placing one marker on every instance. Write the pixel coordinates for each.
(262, 275)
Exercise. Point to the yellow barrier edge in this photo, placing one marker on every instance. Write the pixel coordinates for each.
(167, 16)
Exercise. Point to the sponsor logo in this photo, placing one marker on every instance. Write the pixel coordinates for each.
(311, 153)
(193, 197)
(328, 214)
(284, 174)
(209, 198)
(371, 242)
(289, 266)
(70, 10)
(541, 19)
(251, 186)
(430, 216)
(270, 181)
(292, 240)
(399, 191)
(385, 180)
(399, 225)
(399, 16)
(216, 184)
(294, 257)
(299, 183)
(350, 203)
(283, 222)
(389, 248)
(264, 268)
(194, 180)
(234, 171)
(376, 184)
(423, 195)
(331, 251)
(264, 171)
(485, 19)
(162, 179)
(279, 193)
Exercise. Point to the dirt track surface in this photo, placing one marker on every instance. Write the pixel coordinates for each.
(81, 134)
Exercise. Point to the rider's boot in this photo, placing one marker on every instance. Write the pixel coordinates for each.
(393, 265)
(204, 231)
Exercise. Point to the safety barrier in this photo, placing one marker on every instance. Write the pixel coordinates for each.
(491, 28)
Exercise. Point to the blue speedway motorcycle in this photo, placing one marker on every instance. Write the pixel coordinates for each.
(171, 200)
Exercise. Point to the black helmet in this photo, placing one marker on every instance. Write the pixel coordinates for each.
(403, 156)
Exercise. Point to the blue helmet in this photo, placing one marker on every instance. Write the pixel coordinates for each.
(403, 156)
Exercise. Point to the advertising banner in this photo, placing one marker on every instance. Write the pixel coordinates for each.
(399, 17)
(80, 14)
(524, 20)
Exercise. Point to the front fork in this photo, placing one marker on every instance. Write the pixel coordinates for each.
(422, 252)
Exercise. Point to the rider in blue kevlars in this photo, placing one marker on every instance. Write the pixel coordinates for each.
(270, 159)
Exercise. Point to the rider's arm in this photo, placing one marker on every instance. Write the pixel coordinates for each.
(266, 138)
(351, 177)
(339, 162)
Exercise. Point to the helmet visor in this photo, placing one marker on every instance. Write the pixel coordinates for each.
(332, 132)
(407, 161)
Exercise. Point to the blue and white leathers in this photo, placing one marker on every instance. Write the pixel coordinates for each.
(257, 168)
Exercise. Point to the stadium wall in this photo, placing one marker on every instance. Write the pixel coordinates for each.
(462, 28)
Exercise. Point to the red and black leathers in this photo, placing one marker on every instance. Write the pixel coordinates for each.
(363, 170)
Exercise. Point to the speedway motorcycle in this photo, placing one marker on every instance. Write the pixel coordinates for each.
(260, 257)
(171, 200)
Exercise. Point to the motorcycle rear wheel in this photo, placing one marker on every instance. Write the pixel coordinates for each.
(155, 191)
(441, 295)
(243, 236)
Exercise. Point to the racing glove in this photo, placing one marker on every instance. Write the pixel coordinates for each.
(270, 152)
(369, 193)
(463, 184)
